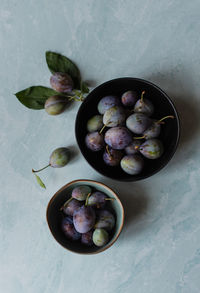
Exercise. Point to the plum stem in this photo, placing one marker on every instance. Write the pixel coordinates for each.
(36, 171)
(66, 203)
(102, 129)
(108, 151)
(166, 117)
(87, 198)
(76, 96)
(139, 137)
(142, 96)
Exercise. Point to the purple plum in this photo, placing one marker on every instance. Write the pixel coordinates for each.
(61, 82)
(94, 141)
(70, 232)
(84, 219)
(107, 102)
(129, 98)
(118, 137)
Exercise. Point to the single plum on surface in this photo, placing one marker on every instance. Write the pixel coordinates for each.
(59, 157)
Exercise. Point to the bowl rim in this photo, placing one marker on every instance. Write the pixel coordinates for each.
(98, 183)
(176, 116)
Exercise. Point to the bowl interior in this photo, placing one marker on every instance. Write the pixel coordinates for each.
(163, 107)
(54, 216)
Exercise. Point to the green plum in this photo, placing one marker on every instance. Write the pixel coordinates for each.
(152, 149)
(59, 158)
(55, 105)
(100, 237)
(132, 164)
(95, 123)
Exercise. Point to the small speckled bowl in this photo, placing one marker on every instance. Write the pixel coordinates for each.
(54, 216)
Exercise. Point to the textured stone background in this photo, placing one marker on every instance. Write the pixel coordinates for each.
(159, 249)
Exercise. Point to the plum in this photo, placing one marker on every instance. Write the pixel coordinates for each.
(98, 199)
(70, 232)
(138, 123)
(107, 102)
(144, 106)
(129, 98)
(55, 105)
(61, 82)
(81, 192)
(59, 157)
(86, 238)
(154, 129)
(100, 237)
(114, 116)
(118, 137)
(133, 147)
(105, 220)
(152, 148)
(70, 206)
(95, 123)
(94, 141)
(84, 219)
(112, 157)
(132, 164)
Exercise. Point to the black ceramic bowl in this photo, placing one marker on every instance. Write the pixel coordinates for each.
(163, 107)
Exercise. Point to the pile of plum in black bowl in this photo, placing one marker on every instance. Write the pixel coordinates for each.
(127, 129)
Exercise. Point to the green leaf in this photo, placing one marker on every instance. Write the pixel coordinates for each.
(39, 181)
(59, 63)
(84, 87)
(34, 97)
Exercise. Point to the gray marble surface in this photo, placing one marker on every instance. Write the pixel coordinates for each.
(159, 248)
